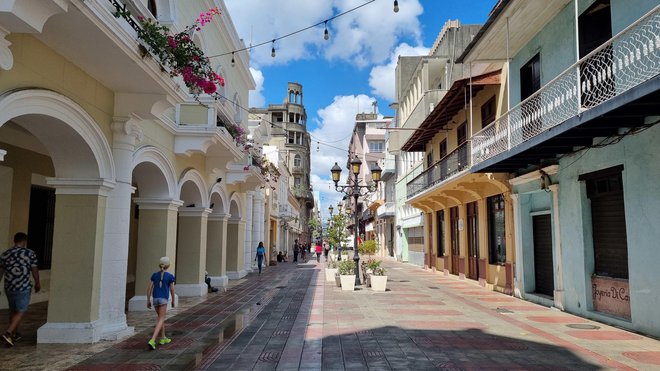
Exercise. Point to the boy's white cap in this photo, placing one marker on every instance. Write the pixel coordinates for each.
(165, 260)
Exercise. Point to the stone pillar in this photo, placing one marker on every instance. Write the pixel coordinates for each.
(258, 223)
(115, 242)
(75, 281)
(518, 278)
(249, 225)
(216, 249)
(236, 249)
(157, 226)
(191, 251)
(559, 272)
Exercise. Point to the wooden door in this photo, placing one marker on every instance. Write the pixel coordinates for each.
(455, 247)
(543, 266)
(473, 240)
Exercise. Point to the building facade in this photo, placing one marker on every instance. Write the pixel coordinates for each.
(579, 142)
(109, 163)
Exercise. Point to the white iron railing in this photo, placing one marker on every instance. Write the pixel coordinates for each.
(625, 61)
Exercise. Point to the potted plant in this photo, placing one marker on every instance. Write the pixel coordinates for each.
(331, 271)
(347, 275)
(377, 277)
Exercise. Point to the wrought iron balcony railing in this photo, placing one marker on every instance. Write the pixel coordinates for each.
(448, 167)
(625, 61)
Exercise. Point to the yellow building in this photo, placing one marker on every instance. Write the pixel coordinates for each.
(468, 225)
(108, 163)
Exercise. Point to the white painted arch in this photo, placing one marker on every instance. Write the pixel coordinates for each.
(75, 142)
(152, 155)
(196, 194)
(218, 190)
(235, 206)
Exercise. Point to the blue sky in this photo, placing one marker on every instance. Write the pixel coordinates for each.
(345, 74)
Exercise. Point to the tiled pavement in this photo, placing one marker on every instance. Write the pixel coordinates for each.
(290, 319)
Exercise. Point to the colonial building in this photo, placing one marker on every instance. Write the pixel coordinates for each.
(290, 136)
(109, 162)
(580, 138)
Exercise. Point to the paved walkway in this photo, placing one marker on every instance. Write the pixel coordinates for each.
(290, 318)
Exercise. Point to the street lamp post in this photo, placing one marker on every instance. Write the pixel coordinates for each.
(356, 190)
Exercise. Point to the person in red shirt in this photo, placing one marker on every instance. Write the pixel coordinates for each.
(319, 250)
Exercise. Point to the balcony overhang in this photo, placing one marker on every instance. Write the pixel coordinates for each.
(450, 105)
(525, 19)
(627, 110)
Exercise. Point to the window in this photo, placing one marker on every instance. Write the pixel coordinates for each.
(278, 117)
(429, 159)
(297, 161)
(530, 77)
(296, 181)
(488, 112)
(292, 137)
(608, 220)
(496, 230)
(377, 146)
(151, 5)
(443, 149)
(41, 223)
(416, 236)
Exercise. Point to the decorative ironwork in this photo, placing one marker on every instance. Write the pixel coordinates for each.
(448, 167)
(123, 12)
(625, 61)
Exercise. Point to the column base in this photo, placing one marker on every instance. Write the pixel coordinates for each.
(116, 331)
(139, 303)
(194, 290)
(69, 333)
(559, 299)
(237, 275)
(219, 281)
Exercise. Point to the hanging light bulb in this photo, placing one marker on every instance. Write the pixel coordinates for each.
(317, 146)
(396, 6)
(272, 50)
(233, 62)
(326, 34)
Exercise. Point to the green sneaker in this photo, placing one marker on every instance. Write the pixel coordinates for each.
(152, 344)
(164, 341)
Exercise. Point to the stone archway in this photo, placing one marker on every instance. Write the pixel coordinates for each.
(83, 177)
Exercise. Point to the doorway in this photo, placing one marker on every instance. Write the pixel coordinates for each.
(543, 263)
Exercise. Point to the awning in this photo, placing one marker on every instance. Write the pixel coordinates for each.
(451, 103)
(376, 204)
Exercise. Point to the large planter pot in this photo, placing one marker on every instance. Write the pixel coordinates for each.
(378, 283)
(330, 274)
(344, 257)
(347, 283)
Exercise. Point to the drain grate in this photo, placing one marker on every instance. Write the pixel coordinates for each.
(583, 326)
(404, 281)
(434, 287)
(503, 310)
(280, 287)
(269, 356)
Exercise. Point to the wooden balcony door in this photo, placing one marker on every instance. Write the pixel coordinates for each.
(473, 240)
(455, 248)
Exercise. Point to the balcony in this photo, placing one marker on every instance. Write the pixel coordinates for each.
(456, 162)
(594, 93)
(388, 209)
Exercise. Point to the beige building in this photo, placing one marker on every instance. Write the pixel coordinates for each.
(108, 163)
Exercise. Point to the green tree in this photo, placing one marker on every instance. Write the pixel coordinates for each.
(337, 232)
(315, 226)
(368, 247)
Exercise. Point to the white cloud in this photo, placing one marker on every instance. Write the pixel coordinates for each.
(257, 98)
(362, 37)
(381, 78)
(334, 127)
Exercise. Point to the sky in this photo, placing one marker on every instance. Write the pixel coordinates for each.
(343, 75)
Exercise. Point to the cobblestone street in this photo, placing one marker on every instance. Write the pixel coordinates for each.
(289, 318)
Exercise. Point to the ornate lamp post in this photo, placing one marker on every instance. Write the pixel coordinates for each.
(356, 190)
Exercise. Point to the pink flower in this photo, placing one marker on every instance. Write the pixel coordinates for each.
(209, 87)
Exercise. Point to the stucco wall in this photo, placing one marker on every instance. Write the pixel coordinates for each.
(641, 182)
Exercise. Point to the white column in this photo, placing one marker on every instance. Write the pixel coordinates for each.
(2, 154)
(249, 222)
(559, 276)
(518, 285)
(115, 240)
(258, 218)
(216, 253)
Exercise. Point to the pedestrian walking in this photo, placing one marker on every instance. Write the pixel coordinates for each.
(296, 251)
(326, 251)
(16, 264)
(319, 250)
(161, 287)
(304, 252)
(261, 251)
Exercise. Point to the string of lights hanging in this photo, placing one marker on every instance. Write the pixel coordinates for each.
(326, 32)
